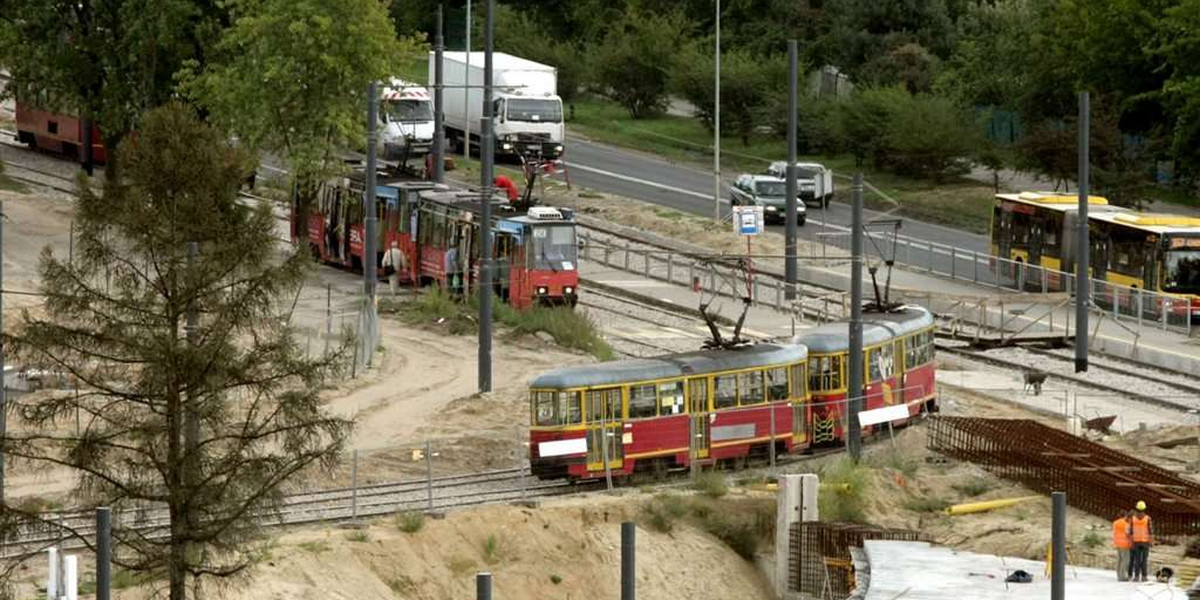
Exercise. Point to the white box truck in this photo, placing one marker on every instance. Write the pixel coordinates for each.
(528, 114)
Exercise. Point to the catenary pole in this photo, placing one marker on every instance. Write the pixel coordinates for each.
(3, 364)
(439, 116)
(854, 388)
(467, 82)
(628, 556)
(370, 260)
(1083, 280)
(1058, 550)
(717, 121)
(790, 266)
(103, 553)
(486, 155)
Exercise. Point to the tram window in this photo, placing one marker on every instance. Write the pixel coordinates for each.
(543, 408)
(556, 408)
(725, 391)
(910, 351)
(799, 381)
(643, 402)
(814, 372)
(698, 395)
(750, 387)
(670, 398)
(872, 362)
(833, 373)
(597, 401)
(777, 384)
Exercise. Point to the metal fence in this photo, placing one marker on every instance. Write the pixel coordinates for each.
(1126, 303)
(819, 561)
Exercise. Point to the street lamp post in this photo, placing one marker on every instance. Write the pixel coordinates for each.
(717, 122)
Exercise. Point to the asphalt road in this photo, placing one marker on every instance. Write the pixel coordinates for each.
(689, 189)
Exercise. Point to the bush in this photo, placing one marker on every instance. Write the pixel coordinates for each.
(569, 328)
(711, 484)
(491, 549)
(660, 513)
(752, 88)
(1092, 540)
(410, 521)
(976, 486)
(925, 504)
(358, 535)
(841, 497)
(738, 533)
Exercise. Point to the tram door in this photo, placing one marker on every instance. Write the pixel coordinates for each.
(605, 429)
(701, 427)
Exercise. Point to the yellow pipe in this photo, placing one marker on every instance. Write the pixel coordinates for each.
(975, 507)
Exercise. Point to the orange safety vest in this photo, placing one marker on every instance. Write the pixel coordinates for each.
(1121, 534)
(1141, 530)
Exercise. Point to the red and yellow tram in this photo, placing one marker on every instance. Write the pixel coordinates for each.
(437, 229)
(643, 414)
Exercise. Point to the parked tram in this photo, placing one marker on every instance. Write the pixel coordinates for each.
(723, 405)
(56, 132)
(1146, 251)
(437, 229)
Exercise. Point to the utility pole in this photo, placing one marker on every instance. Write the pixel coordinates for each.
(439, 118)
(717, 122)
(103, 553)
(854, 389)
(1083, 278)
(790, 266)
(486, 156)
(1058, 548)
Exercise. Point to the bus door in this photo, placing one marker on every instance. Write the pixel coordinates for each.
(605, 429)
(701, 426)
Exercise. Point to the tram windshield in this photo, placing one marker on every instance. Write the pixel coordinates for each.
(554, 247)
(1182, 271)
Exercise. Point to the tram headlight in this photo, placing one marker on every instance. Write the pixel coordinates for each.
(541, 291)
(506, 146)
(568, 290)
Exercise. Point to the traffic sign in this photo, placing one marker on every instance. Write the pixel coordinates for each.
(747, 220)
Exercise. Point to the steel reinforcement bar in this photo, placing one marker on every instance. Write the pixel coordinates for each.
(1097, 479)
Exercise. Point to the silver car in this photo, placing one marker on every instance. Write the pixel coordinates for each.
(769, 192)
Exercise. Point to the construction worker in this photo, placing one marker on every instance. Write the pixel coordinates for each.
(1141, 533)
(394, 263)
(1122, 543)
(510, 188)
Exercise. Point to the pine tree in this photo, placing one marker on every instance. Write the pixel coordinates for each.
(203, 423)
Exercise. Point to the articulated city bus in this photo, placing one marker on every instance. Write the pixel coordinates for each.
(1135, 251)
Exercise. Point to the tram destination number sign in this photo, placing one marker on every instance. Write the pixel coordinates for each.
(747, 220)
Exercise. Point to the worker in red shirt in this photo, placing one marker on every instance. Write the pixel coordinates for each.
(510, 188)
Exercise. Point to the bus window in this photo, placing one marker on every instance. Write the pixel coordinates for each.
(725, 391)
(643, 402)
(777, 384)
(750, 388)
(670, 398)
(1182, 271)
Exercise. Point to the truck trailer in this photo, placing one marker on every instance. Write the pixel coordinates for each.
(528, 114)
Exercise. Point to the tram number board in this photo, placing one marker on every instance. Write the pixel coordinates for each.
(1185, 242)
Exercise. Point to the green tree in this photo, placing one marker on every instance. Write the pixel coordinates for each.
(751, 88)
(1181, 50)
(860, 31)
(110, 60)
(635, 59)
(929, 136)
(291, 77)
(201, 427)
(521, 34)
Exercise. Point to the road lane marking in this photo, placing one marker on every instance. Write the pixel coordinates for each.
(644, 182)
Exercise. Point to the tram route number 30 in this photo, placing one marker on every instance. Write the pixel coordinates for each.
(747, 220)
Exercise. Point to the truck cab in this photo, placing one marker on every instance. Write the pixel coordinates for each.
(529, 125)
(405, 121)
